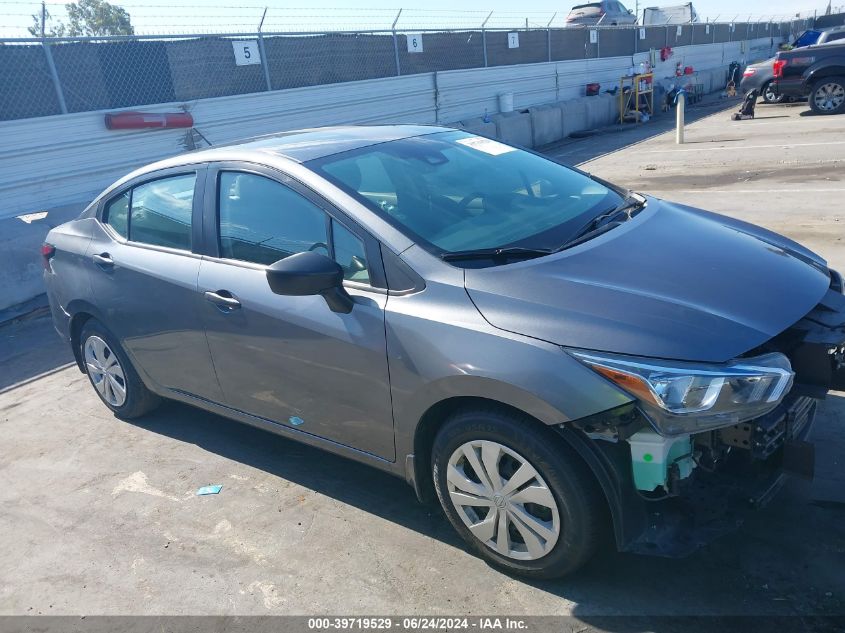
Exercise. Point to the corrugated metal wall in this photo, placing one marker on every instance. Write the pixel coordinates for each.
(58, 160)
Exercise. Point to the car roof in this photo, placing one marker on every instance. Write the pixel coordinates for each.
(298, 146)
(304, 145)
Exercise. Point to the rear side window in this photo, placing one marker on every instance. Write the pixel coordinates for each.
(836, 36)
(160, 212)
(117, 214)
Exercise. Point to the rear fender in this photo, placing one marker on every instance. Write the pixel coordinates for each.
(827, 67)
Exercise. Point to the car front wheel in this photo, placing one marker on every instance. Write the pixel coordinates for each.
(828, 96)
(112, 374)
(517, 493)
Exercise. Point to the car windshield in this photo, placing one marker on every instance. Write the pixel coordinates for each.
(582, 10)
(454, 192)
(807, 38)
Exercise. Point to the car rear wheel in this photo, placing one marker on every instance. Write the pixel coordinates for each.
(517, 493)
(112, 375)
(828, 96)
(769, 95)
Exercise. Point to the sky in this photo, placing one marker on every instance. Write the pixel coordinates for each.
(217, 16)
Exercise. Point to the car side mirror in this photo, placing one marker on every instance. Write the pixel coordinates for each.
(631, 11)
(310, 273)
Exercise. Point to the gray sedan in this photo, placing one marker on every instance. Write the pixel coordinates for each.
(562, 363)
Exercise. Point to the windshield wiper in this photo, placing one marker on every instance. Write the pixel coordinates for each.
(508, 252)
(605, 221)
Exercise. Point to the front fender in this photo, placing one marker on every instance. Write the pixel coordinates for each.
(435, 356)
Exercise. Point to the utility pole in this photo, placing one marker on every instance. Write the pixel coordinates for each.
(43, 18)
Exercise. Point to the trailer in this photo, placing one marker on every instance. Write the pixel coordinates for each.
(675, 14)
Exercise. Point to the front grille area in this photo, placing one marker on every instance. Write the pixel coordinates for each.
(763, 436)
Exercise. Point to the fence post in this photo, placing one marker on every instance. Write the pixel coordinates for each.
(396, 44)
(264, 61)
(549, 35)
(263, 52)
(48, 54)
(436, 99)
(484, 37)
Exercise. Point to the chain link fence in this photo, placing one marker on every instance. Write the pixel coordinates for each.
(41, 77)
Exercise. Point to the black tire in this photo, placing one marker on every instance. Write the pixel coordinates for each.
(139, 400)
(824, 84)
(581, 504)
(768, 96)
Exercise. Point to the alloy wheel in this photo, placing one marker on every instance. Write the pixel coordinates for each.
(829, 96)
(105, 371)
(503, 500)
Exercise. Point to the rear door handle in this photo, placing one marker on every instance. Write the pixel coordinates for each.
(104, 261)
(223, 299)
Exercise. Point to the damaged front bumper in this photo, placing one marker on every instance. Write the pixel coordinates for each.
(714, 502)
(736, 469)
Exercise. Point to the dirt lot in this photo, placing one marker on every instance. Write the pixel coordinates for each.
(100, 516)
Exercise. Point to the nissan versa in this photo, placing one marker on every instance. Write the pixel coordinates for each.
(553, 357)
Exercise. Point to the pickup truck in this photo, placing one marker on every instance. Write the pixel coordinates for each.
(760, 75)
(815, 72)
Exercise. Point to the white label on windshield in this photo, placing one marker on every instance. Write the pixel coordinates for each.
(486, 145)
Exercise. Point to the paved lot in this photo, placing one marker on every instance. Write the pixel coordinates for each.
(99, 515)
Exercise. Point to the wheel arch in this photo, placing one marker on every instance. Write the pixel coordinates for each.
(832, 67)
(418, 472)
(80, 313)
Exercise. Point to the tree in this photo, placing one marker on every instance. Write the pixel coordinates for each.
(86, 18)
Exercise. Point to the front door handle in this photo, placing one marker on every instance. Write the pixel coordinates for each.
(104, 261)
(223, 299)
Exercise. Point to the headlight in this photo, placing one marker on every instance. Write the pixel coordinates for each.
(681, 397)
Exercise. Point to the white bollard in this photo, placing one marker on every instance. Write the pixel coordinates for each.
(679, 121)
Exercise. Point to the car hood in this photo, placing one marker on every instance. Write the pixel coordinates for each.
(673, 282)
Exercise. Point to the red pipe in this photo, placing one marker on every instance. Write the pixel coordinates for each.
(138, 120)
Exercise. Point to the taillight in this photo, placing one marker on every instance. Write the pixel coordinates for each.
(47, 252)
(777, 67)
(749, 72)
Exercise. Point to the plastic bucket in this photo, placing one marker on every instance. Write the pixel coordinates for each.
(506, 102)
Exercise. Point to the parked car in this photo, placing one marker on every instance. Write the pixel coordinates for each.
(816, 72)
(675, 14)
(549, 355)
(759, 76)
(605, 13)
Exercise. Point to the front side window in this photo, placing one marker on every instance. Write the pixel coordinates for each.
(452, 191)
(263, 221)
(349, 252)
(161, 211)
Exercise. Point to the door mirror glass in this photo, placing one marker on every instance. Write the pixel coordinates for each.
(310, 273)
